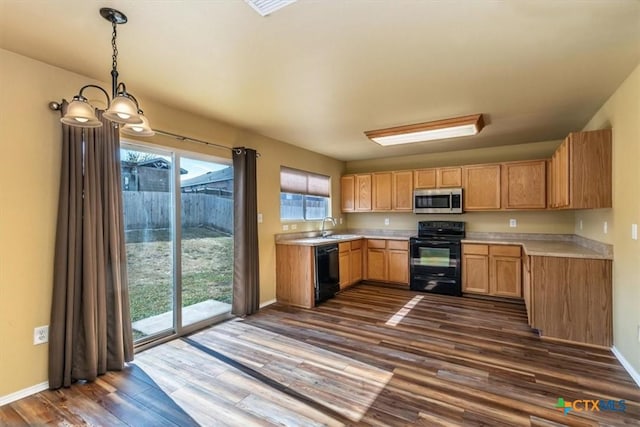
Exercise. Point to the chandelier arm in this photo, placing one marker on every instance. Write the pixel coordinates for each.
(96, 87)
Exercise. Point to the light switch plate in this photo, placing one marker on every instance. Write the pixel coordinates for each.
(386, 221)
(513, 223)
(285, 227)
(605, 227)
(259, 217)
(634, 231)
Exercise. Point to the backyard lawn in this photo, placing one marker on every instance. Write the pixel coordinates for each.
(207, 269)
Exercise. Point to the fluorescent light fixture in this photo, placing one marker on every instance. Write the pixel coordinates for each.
(439, 129)
(267, 7)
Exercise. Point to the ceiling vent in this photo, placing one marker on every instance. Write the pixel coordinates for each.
(267, 7)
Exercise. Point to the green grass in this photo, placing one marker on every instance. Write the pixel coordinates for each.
(207, 269)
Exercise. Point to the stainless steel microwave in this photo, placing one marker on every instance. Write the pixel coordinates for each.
(438, 201)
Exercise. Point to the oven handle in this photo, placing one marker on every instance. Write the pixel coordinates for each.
(450, 201)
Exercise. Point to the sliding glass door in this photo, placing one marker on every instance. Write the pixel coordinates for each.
(178, 214)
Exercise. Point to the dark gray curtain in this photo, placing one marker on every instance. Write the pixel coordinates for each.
(246, 272)
(90, 329)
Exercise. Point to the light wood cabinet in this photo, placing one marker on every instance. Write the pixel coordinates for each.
(449, 177)
(350, 262)
(295, 275)
(355, 193)
(570, 299)
(347, 193)
(402, 191)
(581, 171)
(388, 261)
(524, 185)
(492, 270)
(381, 189)
(481, 187)
(424, 178)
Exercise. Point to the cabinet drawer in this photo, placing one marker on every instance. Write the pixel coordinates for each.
(344, 247)
(475, 249)
(376, 243)
(356, 244)
(504, 250)
(398, 245)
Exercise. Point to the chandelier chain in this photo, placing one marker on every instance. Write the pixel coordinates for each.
(114, 57)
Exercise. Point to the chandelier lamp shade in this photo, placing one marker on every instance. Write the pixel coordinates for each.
(122, 107)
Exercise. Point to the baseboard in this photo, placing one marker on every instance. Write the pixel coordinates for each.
(634, 374)
(25, 392)
(266, 303)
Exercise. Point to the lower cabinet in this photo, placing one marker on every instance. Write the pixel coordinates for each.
(388, 261)
(570, 299)
(350, 262)
(492, 270)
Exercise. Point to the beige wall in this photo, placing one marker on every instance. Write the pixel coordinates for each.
(622, 113)
(528, 222)
(30, 143)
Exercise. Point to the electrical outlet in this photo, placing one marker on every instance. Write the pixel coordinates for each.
(580, 224)
(634, 231)
(605, 227)
(638, 333)
(386, 221)
(340, 220)
(285, 227)
(294, 226)
(259, 217)
(40, 335)
(513, 223)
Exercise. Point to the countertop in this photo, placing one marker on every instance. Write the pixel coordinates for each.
(304, 239)
(563, 246)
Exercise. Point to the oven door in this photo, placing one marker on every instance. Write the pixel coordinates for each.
(435, 266)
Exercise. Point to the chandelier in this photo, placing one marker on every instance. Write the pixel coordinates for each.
(123, 108)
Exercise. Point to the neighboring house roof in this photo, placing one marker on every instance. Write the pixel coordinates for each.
(158, 163)
(225, 174)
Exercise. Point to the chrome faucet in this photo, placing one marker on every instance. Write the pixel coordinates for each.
(325, 233)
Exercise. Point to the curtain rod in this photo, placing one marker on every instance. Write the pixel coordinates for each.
(199, 141)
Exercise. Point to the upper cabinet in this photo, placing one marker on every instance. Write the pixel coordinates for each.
(377, 192)
(481, 187)
(355, 193)
(450, 177)
(402, 191)
(381, 190)
(581, 171)
(524, 185)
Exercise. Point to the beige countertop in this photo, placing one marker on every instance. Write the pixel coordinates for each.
(338, 238)
(566, 248)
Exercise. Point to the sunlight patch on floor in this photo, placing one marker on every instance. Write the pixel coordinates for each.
(400, 314)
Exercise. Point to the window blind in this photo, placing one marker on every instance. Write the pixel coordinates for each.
(302, 182)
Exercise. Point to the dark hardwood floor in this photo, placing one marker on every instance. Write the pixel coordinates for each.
(372, 356)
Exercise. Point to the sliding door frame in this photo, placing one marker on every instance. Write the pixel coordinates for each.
(178, 329)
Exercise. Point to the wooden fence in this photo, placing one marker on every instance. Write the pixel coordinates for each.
(152, 209)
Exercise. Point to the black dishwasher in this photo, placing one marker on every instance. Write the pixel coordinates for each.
(327, 272)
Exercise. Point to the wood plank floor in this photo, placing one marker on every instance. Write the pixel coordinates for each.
(372, 356)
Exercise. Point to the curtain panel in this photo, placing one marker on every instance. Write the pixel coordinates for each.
(90, 330)
(246, 271)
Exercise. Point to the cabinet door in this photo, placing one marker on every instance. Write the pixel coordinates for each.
(381, 189)
(345, 269)
(347, 193)
(475, 274)
(524, 185)
(377, 264)
(402, 191)
(398, 266)
(449, 177)
(363, 192)
(481, 187)
(424, 178)
(505, 276)
(356, 265)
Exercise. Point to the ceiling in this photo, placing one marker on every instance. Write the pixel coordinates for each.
(318, 73)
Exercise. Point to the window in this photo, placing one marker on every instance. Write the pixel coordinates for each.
(303, 195)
